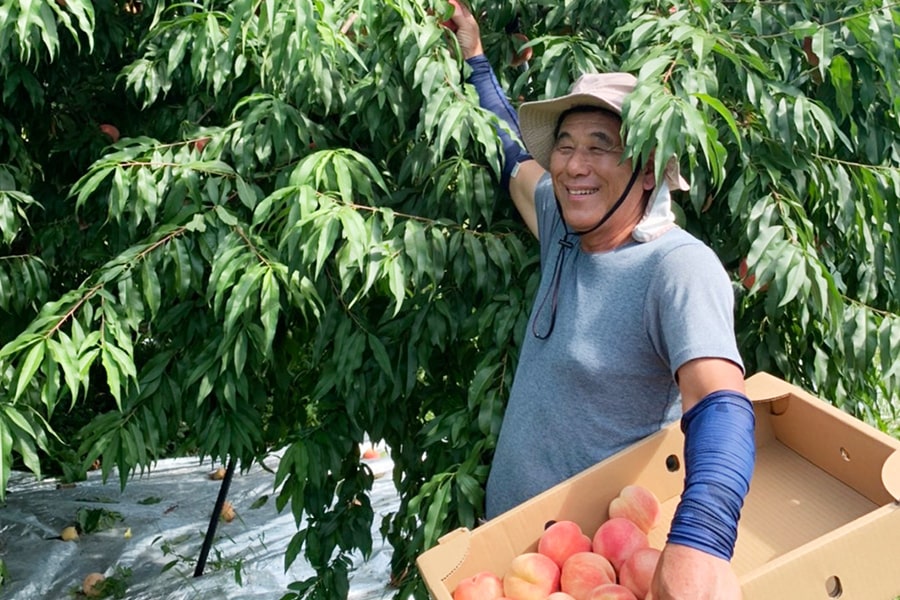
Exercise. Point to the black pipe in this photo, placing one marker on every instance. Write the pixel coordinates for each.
(214, 519)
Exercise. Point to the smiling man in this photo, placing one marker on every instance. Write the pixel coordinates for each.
(632, 327)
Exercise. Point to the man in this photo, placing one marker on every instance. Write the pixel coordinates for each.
(632, 326)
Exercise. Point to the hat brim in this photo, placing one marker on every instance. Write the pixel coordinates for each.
(538, 120)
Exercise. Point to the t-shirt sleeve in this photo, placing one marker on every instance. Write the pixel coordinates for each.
(691, 308)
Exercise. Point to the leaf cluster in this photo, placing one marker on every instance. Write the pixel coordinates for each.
(298, 242)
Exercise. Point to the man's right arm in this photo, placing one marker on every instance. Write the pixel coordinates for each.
(521, 172)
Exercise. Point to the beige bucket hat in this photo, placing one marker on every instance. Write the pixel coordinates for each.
(538, 119)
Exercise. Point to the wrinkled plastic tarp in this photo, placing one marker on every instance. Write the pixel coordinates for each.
(161, 517)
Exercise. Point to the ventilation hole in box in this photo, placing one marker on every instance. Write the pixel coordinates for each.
(548, 524)
(845, 455)
(833, 587)
(672, 463)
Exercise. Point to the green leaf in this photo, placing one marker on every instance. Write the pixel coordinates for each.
(29, 367)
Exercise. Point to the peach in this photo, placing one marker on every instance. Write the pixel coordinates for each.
(111, 131)
(531, 576)
(611, 591)
(560, 596)
(449, 24)
(638, 569)
(481, 586)
(563, 539)
(637, 503)
(583, 572)
(617, 538)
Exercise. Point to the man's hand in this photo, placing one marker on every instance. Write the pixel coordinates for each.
(684, 573)
(468, 33)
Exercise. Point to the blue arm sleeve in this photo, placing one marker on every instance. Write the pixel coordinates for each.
(719, 455)
(492, 98)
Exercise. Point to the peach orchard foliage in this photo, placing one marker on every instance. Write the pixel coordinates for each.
(298, 241)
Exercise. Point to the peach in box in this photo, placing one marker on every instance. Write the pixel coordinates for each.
(481, 586)
(638, 569)
(611, 591)
(583, 572)
(617, 538)
(637, 503)
(562, 539)
(531, 576)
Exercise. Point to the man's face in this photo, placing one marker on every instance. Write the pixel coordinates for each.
(587, 174)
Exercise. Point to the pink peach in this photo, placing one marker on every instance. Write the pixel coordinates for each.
(531, 576)
(638, 504)
(481, 586)
(583, 572)
(611, 591)
(617, 538)
(560, 596)
(563, 539)
(638, 569)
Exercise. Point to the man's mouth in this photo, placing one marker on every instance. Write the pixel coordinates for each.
(582, 192)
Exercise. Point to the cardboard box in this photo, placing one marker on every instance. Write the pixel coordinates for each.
(822, 519)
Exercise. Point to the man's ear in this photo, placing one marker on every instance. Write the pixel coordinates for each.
(648, 178)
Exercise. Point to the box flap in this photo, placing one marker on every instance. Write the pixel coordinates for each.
(445, 558)
(763, 387)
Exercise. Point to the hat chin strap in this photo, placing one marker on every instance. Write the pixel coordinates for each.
(610, 212)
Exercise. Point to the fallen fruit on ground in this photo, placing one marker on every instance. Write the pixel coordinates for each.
(583, 572)
(638, 569)
(637, 503)
(481, 586)
(227, 513)
(371, 453)
(68, 534)
(562, 539)
(531, 576)
(91, 586)
(617, 538)
(218, 474)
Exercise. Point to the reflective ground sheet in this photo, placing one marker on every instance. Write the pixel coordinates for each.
(149, 536)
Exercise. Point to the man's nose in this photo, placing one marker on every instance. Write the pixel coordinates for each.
(578, 162)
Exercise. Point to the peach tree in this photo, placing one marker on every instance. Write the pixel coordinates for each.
(229, 229)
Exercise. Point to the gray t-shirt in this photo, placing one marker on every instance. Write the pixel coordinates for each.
(626, 320)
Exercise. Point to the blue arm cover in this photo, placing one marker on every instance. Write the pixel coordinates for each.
(719, 454)
(492, 98)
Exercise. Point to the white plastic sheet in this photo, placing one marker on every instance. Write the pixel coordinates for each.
(164, 516)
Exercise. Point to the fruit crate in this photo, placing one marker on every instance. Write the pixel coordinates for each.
(822, 519)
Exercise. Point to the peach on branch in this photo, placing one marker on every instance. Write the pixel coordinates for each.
(111, 131)
(637, 503)
(638, 569)
(562, 539)
(531, 576)
(481, 586)
(617, 538)
(449, 24)
(583, 572)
